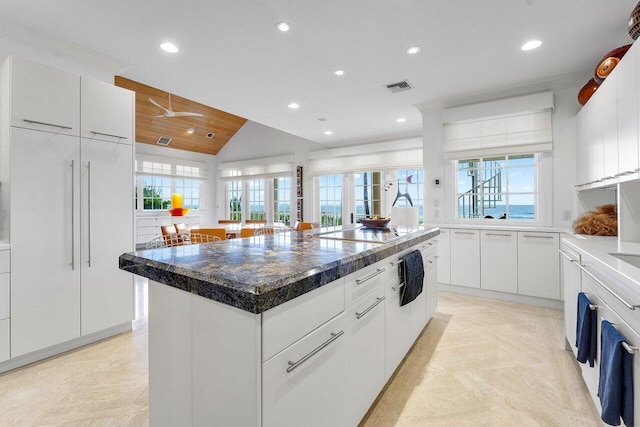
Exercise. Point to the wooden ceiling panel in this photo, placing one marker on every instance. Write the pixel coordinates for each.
(149, 127)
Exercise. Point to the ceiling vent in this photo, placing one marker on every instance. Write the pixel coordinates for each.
(163, 140)
(400, 86)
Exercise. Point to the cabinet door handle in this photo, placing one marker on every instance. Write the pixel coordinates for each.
(371, 307)
(46, 124)
(89, 210)
(537, 237)
(374, 274)
(395, 288)
(464, 232)
(618, 297)
(564, 254)
(499, 234)
(435, 258)
(294, 365)
(73, 217)
(394, 263)
(107, 134)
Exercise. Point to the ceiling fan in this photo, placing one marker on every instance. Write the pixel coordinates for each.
(168, 112)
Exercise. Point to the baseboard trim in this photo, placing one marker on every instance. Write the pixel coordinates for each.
(502, 296)
(55, 350)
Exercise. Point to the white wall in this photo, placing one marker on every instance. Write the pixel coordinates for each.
(207, 216)
(440, 202)
(256, 141)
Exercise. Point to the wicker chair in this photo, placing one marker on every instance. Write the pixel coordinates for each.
(196, 238)
(271, 229)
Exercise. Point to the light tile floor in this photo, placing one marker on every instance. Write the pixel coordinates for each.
(478, 363)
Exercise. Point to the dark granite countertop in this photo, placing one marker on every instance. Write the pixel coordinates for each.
(262, 272)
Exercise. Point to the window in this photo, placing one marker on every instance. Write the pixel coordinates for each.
(156, 180)
(282, 200)
(257, 208)
(367, 195)
(330, 200)
(234, 194)
(502, 187)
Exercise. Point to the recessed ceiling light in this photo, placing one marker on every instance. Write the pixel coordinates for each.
(283, 26)
(191, 130)
(401, 120)
(338, 72)
(531, 44)
(169, 47)
(328, 132)
(413, 50)
(293, 106)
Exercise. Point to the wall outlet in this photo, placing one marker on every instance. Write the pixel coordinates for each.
(566, 215)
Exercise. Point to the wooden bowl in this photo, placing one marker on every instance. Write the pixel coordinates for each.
(609, 62)
(375, 223)
(587, 90)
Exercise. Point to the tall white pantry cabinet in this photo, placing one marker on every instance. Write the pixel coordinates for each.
(66, 200)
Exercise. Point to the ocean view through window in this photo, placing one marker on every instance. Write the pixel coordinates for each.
(502, 187)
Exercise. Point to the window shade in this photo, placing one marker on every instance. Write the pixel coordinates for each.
(405, 154)
(516, 132)
(257, 168)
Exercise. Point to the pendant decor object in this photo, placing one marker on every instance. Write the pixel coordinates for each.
(634, 22)
(609, 62)
(176, 206)
(587, 90)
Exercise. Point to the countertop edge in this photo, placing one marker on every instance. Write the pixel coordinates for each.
(259, 298)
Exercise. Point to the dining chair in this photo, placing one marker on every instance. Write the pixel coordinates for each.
(196, 238)
(271, 229)
(247, 231)
(170, 235)
(299, 226)
(219, 232)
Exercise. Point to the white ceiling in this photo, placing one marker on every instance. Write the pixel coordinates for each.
(233, 58)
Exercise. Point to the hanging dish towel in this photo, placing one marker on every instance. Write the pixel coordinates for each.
(616, 378)
(586, 331)
(412, 274)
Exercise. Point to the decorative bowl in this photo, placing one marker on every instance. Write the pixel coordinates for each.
(179, 211)
(609, 62)
(587, 90)
(375, 223)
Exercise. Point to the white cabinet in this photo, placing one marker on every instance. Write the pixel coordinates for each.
(100, 120)
(41, 97)
(539, 264)
(627, 94)
(431, 266)
(465, 258)
(365, 337)
(305, 385)
(69, 205)
(444, 256)
(4, 340)
(609, 119)
(4, 306)
(44, 215)
(107, 232)
(399, 336)
(499, 260)
(582, 152)
(571, 285)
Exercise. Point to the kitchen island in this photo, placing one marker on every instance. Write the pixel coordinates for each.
(286, 329)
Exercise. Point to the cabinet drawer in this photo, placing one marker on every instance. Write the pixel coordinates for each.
(539, 264)
(305, 385)
(4, 296)
(4, 340)
(361, 282)
(5, 261)
(288, 322)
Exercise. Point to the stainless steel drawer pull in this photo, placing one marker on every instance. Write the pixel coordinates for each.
(394, 263)
(499, 234)
(464, 232)
(608, 289)
(374, 274)
(108, 134)
(371, 307)
(564, 254)
(537, 237)
(630, 349)
(294, 365)
(46, 124)
(435, 258)
(395, 288)
(593, 307)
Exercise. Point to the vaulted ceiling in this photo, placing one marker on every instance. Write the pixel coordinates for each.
(210, 132)
(233, 58)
